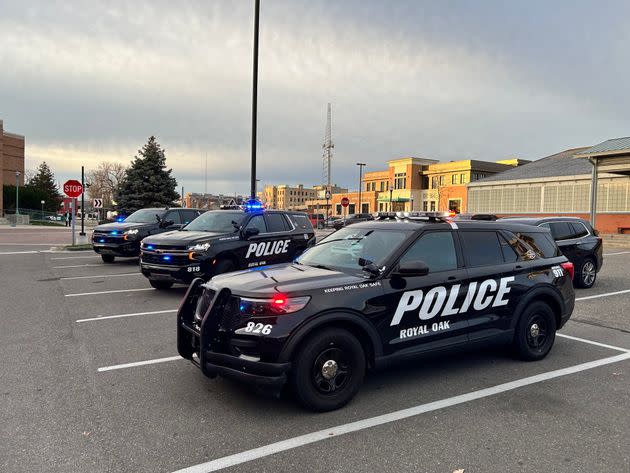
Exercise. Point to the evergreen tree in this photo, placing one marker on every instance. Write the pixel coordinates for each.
(147, 183)
(44, 182)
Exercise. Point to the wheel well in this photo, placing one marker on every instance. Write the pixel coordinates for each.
(553, 303)
(354, 329)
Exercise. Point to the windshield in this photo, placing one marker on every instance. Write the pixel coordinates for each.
(145, 216)
(218, 221)
(342, 249)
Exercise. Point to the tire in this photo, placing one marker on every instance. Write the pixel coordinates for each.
(223, 266)
(160, 285)
(343, 355)
(535, 332)
(108, 258)
(586, 274)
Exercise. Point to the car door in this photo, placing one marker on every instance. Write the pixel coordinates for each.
(282, 245)
(252, 252)
(425, 309)
(493, 266)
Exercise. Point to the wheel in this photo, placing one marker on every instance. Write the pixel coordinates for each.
(160, 285)
(535, 332)
(586, 274)
(223, 266)
(328, 370)
(108, 258)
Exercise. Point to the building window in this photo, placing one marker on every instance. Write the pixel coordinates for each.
(433, 206)
(338, 209)
(365, 208)
(425, 205)
(400, 180)
(442, 180)
(434, 182)
(382, 186)
(462, 178)
(454, 179)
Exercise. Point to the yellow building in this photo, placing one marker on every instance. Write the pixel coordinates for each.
(286, 197)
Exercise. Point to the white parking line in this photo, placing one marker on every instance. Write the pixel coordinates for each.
(18, 252)
(78, 266)
(121, 316)
(620, 253)
(606, 294)
(139, 363)
(101, 276)
(295, 442)
(109, 292)
(591, 342)
(75, 257)
(34, 244)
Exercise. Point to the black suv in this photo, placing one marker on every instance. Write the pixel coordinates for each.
(122, 238)
(351, 219)
(577, 240)
(221, 241)
(374, 293)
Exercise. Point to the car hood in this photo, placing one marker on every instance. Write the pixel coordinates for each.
(287, 278)
(120, 226)
(185, 238)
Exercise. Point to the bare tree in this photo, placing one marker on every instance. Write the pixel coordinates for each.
(104, 180)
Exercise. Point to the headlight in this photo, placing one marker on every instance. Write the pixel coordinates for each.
(199, 247)
(277, 305)
(132, 231)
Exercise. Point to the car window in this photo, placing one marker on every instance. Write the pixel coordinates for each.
(560, 230)
(579, 230)
(518, 246)
(301, 222)
(257, 221)
(509, 252)
(436, 249)
(173, 216)
(275, 223)
(482, 248)
(541, 243)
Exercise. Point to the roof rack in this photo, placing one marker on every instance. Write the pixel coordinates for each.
(413, 216)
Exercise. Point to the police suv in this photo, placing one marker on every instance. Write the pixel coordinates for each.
(122, 238)
(220, 241)
(374, 293)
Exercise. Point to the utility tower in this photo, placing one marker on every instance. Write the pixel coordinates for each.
(328, 147)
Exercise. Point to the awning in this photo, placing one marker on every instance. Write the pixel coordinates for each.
(395, 199)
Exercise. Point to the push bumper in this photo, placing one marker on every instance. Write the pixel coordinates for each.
(194, 343)
(162, 272)
(117, 249)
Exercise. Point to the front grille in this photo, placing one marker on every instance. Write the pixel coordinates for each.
(174, 259)
(231, 317)
(101, 238)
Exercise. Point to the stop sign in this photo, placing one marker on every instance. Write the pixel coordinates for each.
(345, 202)
(72, 188)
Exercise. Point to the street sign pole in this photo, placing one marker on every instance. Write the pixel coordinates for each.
(73, 205)
(82, 202)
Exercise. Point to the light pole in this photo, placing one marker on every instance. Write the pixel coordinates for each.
(254, 98)
(391, 191)
(360, 185)
(17, 194)
(43, 202)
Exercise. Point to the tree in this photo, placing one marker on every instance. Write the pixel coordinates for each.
(147, 183)
(44, 181)
(103, 182)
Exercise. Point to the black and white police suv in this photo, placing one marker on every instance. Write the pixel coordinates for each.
(122, 238)
(221, 241)
(373, 293)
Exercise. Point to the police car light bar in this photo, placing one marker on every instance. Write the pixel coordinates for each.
(253, 205)
(424, 216)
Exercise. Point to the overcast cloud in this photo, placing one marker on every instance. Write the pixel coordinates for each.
(90, 81)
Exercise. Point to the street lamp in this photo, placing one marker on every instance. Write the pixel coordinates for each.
(360, 185)
(17, 194)
(391, 191)
(42, 202)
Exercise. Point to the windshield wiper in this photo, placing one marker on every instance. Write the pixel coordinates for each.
(320, 266)
(339, 239)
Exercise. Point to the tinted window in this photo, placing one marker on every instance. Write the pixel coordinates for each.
(257, 221)
(510, 254)
(145, 216)
(302, 222)
(482, 248)
(217, 221)
(189, 215)
(561, 230)
(579, 230)
(436, 249)
(541, 243)
(173, 216)
(275, 223)
(522, 250)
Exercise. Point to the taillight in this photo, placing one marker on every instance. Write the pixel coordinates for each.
(568, 267)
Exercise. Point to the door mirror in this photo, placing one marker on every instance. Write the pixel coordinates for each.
(166, 223)
(412, 268)
(249, 232)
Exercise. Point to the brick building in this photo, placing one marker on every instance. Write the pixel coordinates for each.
(11, 159)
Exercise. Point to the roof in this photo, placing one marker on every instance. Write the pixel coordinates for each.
(559, 164)
(613, 145)
(513, 226)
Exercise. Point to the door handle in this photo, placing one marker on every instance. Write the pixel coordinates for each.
(518, 266)
(451, 278)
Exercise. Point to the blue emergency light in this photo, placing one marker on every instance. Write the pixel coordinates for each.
(115, 232)
(120, 219)
(253, 205)
(149, 247)
(166, 257)
(101, 241)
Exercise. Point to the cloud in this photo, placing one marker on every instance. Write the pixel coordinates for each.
(87, 82)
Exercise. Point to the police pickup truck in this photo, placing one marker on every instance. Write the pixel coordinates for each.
(221, 241)
(122, 238)
(374, 293)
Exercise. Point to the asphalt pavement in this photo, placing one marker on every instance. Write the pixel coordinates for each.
(91, 382)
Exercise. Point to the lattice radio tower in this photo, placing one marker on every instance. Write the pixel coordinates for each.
(328, 147)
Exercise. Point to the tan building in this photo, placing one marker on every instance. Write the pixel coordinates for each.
(11, 159)
(288, 197)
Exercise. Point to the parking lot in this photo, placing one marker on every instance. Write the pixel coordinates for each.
(91, 381)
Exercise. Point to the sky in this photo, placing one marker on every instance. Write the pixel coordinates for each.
(90, 81)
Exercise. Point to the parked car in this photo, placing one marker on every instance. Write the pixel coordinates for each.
(350, 219)
(317, 220)
(577, 240)
(488, 217)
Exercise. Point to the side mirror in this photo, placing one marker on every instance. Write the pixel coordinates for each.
(247, 233)
(166, 223)
(412, 268)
